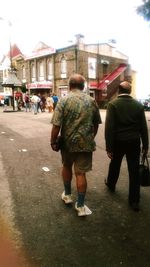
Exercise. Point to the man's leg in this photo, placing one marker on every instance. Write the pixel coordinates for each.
(80, 207)
(35, 108)
(82, 164)
(67, 178)
(133, 155)
(81, 183)
(114, 170)
(67, 161)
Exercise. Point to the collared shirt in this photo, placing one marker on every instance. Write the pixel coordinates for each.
(123, 94)
(77, 114)
(35, 99)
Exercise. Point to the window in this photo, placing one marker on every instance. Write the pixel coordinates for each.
(92, 67)
(23, 72)
(63, 68)
(50, 70)
(105, 69)
(92, 94)
(5, 74)
(33, 75)
(41, 71)
(105, 64)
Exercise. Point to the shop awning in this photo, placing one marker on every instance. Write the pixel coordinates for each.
(102, 85)
(39, 85)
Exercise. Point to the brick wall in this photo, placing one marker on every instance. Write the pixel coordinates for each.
(76, 62)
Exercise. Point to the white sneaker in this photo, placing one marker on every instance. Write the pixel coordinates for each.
(67, 198)
(83, 211)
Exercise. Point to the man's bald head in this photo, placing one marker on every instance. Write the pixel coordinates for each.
(76, 81)
(125, 88)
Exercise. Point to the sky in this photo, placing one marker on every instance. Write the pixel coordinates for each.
(56, 22)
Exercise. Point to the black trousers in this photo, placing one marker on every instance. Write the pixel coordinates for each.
(131, 149)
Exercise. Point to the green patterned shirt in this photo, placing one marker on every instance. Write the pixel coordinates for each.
(76, 114)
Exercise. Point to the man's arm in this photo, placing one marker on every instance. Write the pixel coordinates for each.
(54, 135)
(109, 130)
(97, 119)
(144, 134)
(57, 123)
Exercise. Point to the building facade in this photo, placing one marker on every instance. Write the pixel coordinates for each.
(47, 70)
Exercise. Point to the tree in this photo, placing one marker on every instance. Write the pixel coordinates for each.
(144, 10)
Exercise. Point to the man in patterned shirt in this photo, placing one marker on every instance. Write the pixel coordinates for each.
(77, 117)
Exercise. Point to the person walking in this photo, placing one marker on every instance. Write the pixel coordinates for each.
(125, 130)
(55, 99)
(35, 102)
(77, 117)
(43, 103)
(49, 103)
(27, 102)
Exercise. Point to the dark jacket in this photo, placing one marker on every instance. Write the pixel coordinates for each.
(125, 120)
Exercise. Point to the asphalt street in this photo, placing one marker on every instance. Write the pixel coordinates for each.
(38, 230)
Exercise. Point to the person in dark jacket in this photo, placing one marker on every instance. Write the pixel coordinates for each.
(126, 133)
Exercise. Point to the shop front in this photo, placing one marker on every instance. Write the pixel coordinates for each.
(42, 88)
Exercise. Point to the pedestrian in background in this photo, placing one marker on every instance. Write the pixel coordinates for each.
(125, 130)
(27, 102)
(55, 99)
(43, 103)
(6, 102)
(77, 117)
(39, 103)
(49, 103)
(35, 102)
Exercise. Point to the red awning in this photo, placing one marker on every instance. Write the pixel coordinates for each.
(36, 85)
(108, 78)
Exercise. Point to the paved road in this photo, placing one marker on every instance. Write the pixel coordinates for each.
(38, 230)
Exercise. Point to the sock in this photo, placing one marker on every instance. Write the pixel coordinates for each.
(81, 197)
(67, 186)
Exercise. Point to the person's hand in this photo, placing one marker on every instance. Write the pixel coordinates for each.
(110, 154)
(54, 146)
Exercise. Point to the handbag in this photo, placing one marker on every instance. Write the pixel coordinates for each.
(144, 172)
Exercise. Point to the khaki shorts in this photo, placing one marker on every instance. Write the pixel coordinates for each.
(82, 160)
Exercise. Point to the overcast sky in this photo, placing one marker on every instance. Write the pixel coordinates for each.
(55, 22)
